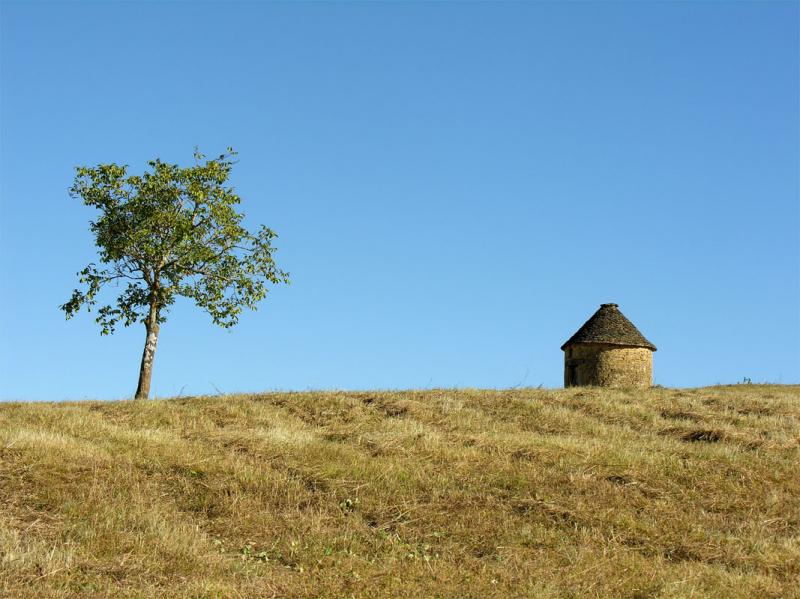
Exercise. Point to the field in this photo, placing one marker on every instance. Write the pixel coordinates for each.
(441, 493)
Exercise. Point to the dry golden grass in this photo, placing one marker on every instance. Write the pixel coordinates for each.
(444, 493)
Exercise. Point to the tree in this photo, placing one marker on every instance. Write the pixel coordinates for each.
(170, 232)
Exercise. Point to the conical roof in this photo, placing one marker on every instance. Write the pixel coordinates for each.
(609, 325)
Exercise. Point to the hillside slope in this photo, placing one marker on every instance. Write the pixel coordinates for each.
(444, 493)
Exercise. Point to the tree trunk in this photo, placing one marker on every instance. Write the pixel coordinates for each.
(149, 354)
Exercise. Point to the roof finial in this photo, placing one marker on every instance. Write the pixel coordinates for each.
(609, 306)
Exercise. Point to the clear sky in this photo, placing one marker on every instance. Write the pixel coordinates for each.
(456, 186)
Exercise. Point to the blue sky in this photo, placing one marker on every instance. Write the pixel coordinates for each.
(457, 187)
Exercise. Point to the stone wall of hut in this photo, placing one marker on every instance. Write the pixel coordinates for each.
(607, 366)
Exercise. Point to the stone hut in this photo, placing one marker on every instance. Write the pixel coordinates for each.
(608, 351)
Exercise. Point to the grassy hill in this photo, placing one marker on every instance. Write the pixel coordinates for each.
(444, 493)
